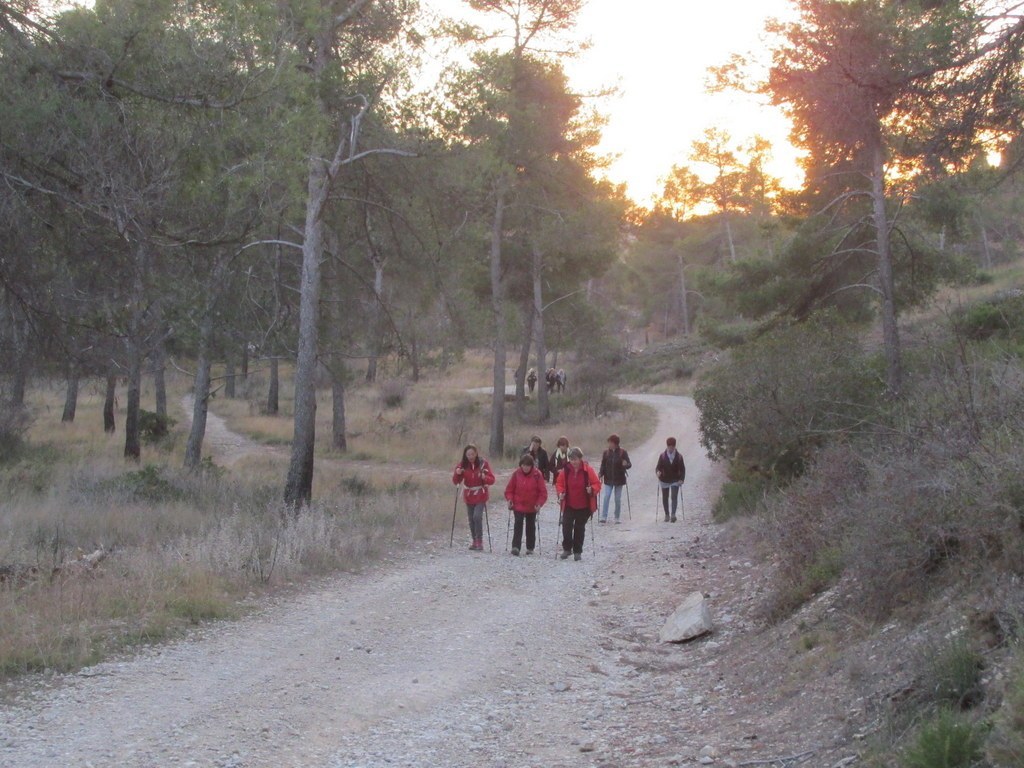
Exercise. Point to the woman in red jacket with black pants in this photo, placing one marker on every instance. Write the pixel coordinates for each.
(475, 475)
(578, 486)
(526, 493)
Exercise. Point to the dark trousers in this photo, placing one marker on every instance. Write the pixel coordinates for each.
(574, 529)
(675, 499)
(530, 520)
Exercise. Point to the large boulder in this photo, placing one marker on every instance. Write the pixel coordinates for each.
(691, 619)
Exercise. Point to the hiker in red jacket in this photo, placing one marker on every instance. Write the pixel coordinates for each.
(578, 486)
(475, 475)
(526, 493)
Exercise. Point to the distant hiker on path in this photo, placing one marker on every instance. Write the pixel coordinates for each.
(559, 458)
(577, 486)
(539, 456)
(671, 473)
(615, 464)
(475, 475)
(527, 491)
(531, 379)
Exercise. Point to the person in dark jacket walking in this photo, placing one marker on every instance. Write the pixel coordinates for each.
(615, 464)
(526, 492)
(671, 473)
(560, 458)
(577, 485)
(539, 456)
(475, 475)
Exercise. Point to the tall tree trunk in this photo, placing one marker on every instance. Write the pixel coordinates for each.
(524, 363)
(298, 488)
(21, 359)
(886, 283)
(986, 247)
(245, 364)
(684, 305)
(273, 404)
(336, 360)
(71, 394)
(543, 401)
(497, 443)
(728, 236)
(133, 400)
(159, 379)
(414, 353)
(229, 377)
(200, 392)
(109, 403)
(376, 324)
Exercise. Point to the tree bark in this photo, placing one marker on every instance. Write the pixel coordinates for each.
(19, 376)
(70, 395)
(160, 379)
(376, 330)
(497, 442)
(200, 393)
(543, 401)
(245, 364)
(524, 362)
(229, 377)
(133, 401)
(298, 489)
(336, 362)
(273, 405)
(728, 236)
(684, 305)
(109, 422)
(886, 283)
(414, 354)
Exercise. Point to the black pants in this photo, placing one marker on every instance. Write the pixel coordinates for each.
(574, 529)
(530, 519)
(675, 499)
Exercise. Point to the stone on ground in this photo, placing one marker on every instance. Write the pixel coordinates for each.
(691, 619)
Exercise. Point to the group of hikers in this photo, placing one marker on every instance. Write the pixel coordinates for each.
(577, 484)
(555, 380)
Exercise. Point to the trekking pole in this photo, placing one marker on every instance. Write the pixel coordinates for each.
(536, 534)
(508, 527)
(455, 509)
(629, 504)
(487, 522)
(657, 494)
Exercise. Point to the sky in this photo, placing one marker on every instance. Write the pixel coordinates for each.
(657, 53)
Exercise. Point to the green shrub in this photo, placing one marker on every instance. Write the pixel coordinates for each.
(153, 427)
(393, 393)
(776, 398)
(1005, 747)
(954, 675)
(947, 741)
(147, 484)
(1003, 316)
(739, 498)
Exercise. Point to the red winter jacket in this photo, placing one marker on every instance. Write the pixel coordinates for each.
(572, 484)
(526, 492)
(476, 478)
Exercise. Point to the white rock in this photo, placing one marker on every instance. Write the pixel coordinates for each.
(691, 619)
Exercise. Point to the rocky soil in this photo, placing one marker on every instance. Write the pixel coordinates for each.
(447, 658)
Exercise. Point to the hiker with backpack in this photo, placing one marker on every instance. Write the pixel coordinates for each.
(671, 471)
(474, 473)
(577, 485)
(615, 464)
(559, 458)
(540, 457)
(526, 492)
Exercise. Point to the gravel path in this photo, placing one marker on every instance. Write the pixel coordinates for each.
(436, 658)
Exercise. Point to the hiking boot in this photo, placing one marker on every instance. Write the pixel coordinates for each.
(618, 522)
(602, 520)
(673, 518)
(667, 517)
(515, 551)
(529, 551)
(475, 545)
(577, 557)
(565, 554)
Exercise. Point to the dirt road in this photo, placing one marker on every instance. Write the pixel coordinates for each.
(437, 657)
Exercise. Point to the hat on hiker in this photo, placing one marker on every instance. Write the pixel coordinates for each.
(575, 453)
(526, 461)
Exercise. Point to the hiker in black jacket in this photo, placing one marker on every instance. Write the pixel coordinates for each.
(671, 473)
(540, 457)
(615, 464)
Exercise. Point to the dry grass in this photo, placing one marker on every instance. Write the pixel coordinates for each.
(436, 419)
